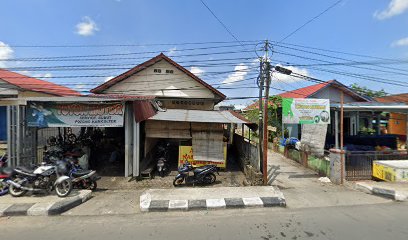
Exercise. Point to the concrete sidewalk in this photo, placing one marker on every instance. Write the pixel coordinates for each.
(302, 188)
(37, 205)
(393, 190)
(184, 199)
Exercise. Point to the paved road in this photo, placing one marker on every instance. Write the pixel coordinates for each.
(379, 221)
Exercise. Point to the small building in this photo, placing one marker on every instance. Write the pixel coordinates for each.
(124, 119)
(15, 85)
(397, 122)
(363, 118)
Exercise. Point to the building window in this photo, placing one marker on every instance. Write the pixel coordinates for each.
(156, 70)
(169, 71)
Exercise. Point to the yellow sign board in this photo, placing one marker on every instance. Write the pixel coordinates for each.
(186, 154)
(383, 172)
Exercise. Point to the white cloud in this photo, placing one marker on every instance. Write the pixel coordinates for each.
(86, 27)
(45, 75)
(5, 53)
(108, 78)
(400, 43)
(288, 78)
(172, 51)
(241, 70)
(395, 7)
(197, 71)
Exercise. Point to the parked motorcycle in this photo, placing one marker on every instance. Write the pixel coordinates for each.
(81, 178)
(5, 173)
(163, 166)
(46, 177)
(203, 174)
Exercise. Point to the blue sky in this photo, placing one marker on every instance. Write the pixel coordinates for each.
(375, 28)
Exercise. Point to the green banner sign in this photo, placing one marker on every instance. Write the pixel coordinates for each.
(305, 111)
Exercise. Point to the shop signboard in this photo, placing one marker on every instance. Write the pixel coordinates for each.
(52, 114)
(186, 154)
(305, 111)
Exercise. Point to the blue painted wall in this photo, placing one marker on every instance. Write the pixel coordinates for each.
(3, 124)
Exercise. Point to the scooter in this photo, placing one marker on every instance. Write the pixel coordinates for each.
(203, 175)
(163, 166)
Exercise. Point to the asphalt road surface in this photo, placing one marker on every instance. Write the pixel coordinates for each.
(375, 221)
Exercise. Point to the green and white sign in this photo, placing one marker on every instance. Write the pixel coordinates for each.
(305, 111)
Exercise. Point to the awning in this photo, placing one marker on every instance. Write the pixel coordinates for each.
(372, 106)
(202, 116)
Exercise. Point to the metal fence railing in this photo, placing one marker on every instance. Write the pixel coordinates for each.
(359, 164)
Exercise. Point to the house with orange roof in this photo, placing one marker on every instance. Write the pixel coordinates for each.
(15, 85)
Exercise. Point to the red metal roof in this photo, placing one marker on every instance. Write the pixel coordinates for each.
(308, 91)
(401, 98)
(305, 91)
(148, 63)
(36, 85)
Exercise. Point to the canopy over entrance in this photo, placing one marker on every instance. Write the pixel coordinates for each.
(202, 116)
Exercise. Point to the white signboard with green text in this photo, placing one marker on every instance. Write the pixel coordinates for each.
(305, 111)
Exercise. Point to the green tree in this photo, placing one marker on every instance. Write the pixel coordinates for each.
(274, 115)
(368, 92)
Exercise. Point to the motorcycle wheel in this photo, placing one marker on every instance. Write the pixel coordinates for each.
(209, 178)
(16, 192)
(63, 188)
(92, 186)
(178, 181)
(4, 189)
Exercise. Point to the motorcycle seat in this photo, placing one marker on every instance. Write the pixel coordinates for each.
(200, 169)
(26, 169)
(81, 173)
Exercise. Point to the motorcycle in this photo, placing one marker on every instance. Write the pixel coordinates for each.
(84, 179)
(5, 174)
(203, 174)
(163, 166)
(46, 177)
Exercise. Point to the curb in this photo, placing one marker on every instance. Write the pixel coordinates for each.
(148, 205)
(44, 209)
(382, 192)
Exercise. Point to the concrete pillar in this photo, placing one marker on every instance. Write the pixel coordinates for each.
(336, 130)
(136, 148)
(335, 166)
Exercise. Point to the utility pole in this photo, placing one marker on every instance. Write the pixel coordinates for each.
(260, 123)
(341, 137)
(267, 75)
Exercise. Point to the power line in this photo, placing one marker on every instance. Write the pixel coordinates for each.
(125, 54)
(219, 20)
(311, 20)
(124, 45)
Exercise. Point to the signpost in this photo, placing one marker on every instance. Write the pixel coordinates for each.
(41, 114)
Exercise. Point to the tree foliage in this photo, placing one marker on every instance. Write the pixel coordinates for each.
(368, 92)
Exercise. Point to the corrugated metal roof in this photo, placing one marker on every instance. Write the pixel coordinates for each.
(373, 106)
(36, 85)
(183, 115)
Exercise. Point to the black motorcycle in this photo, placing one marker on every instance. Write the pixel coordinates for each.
(204, 175)
(162, 155)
